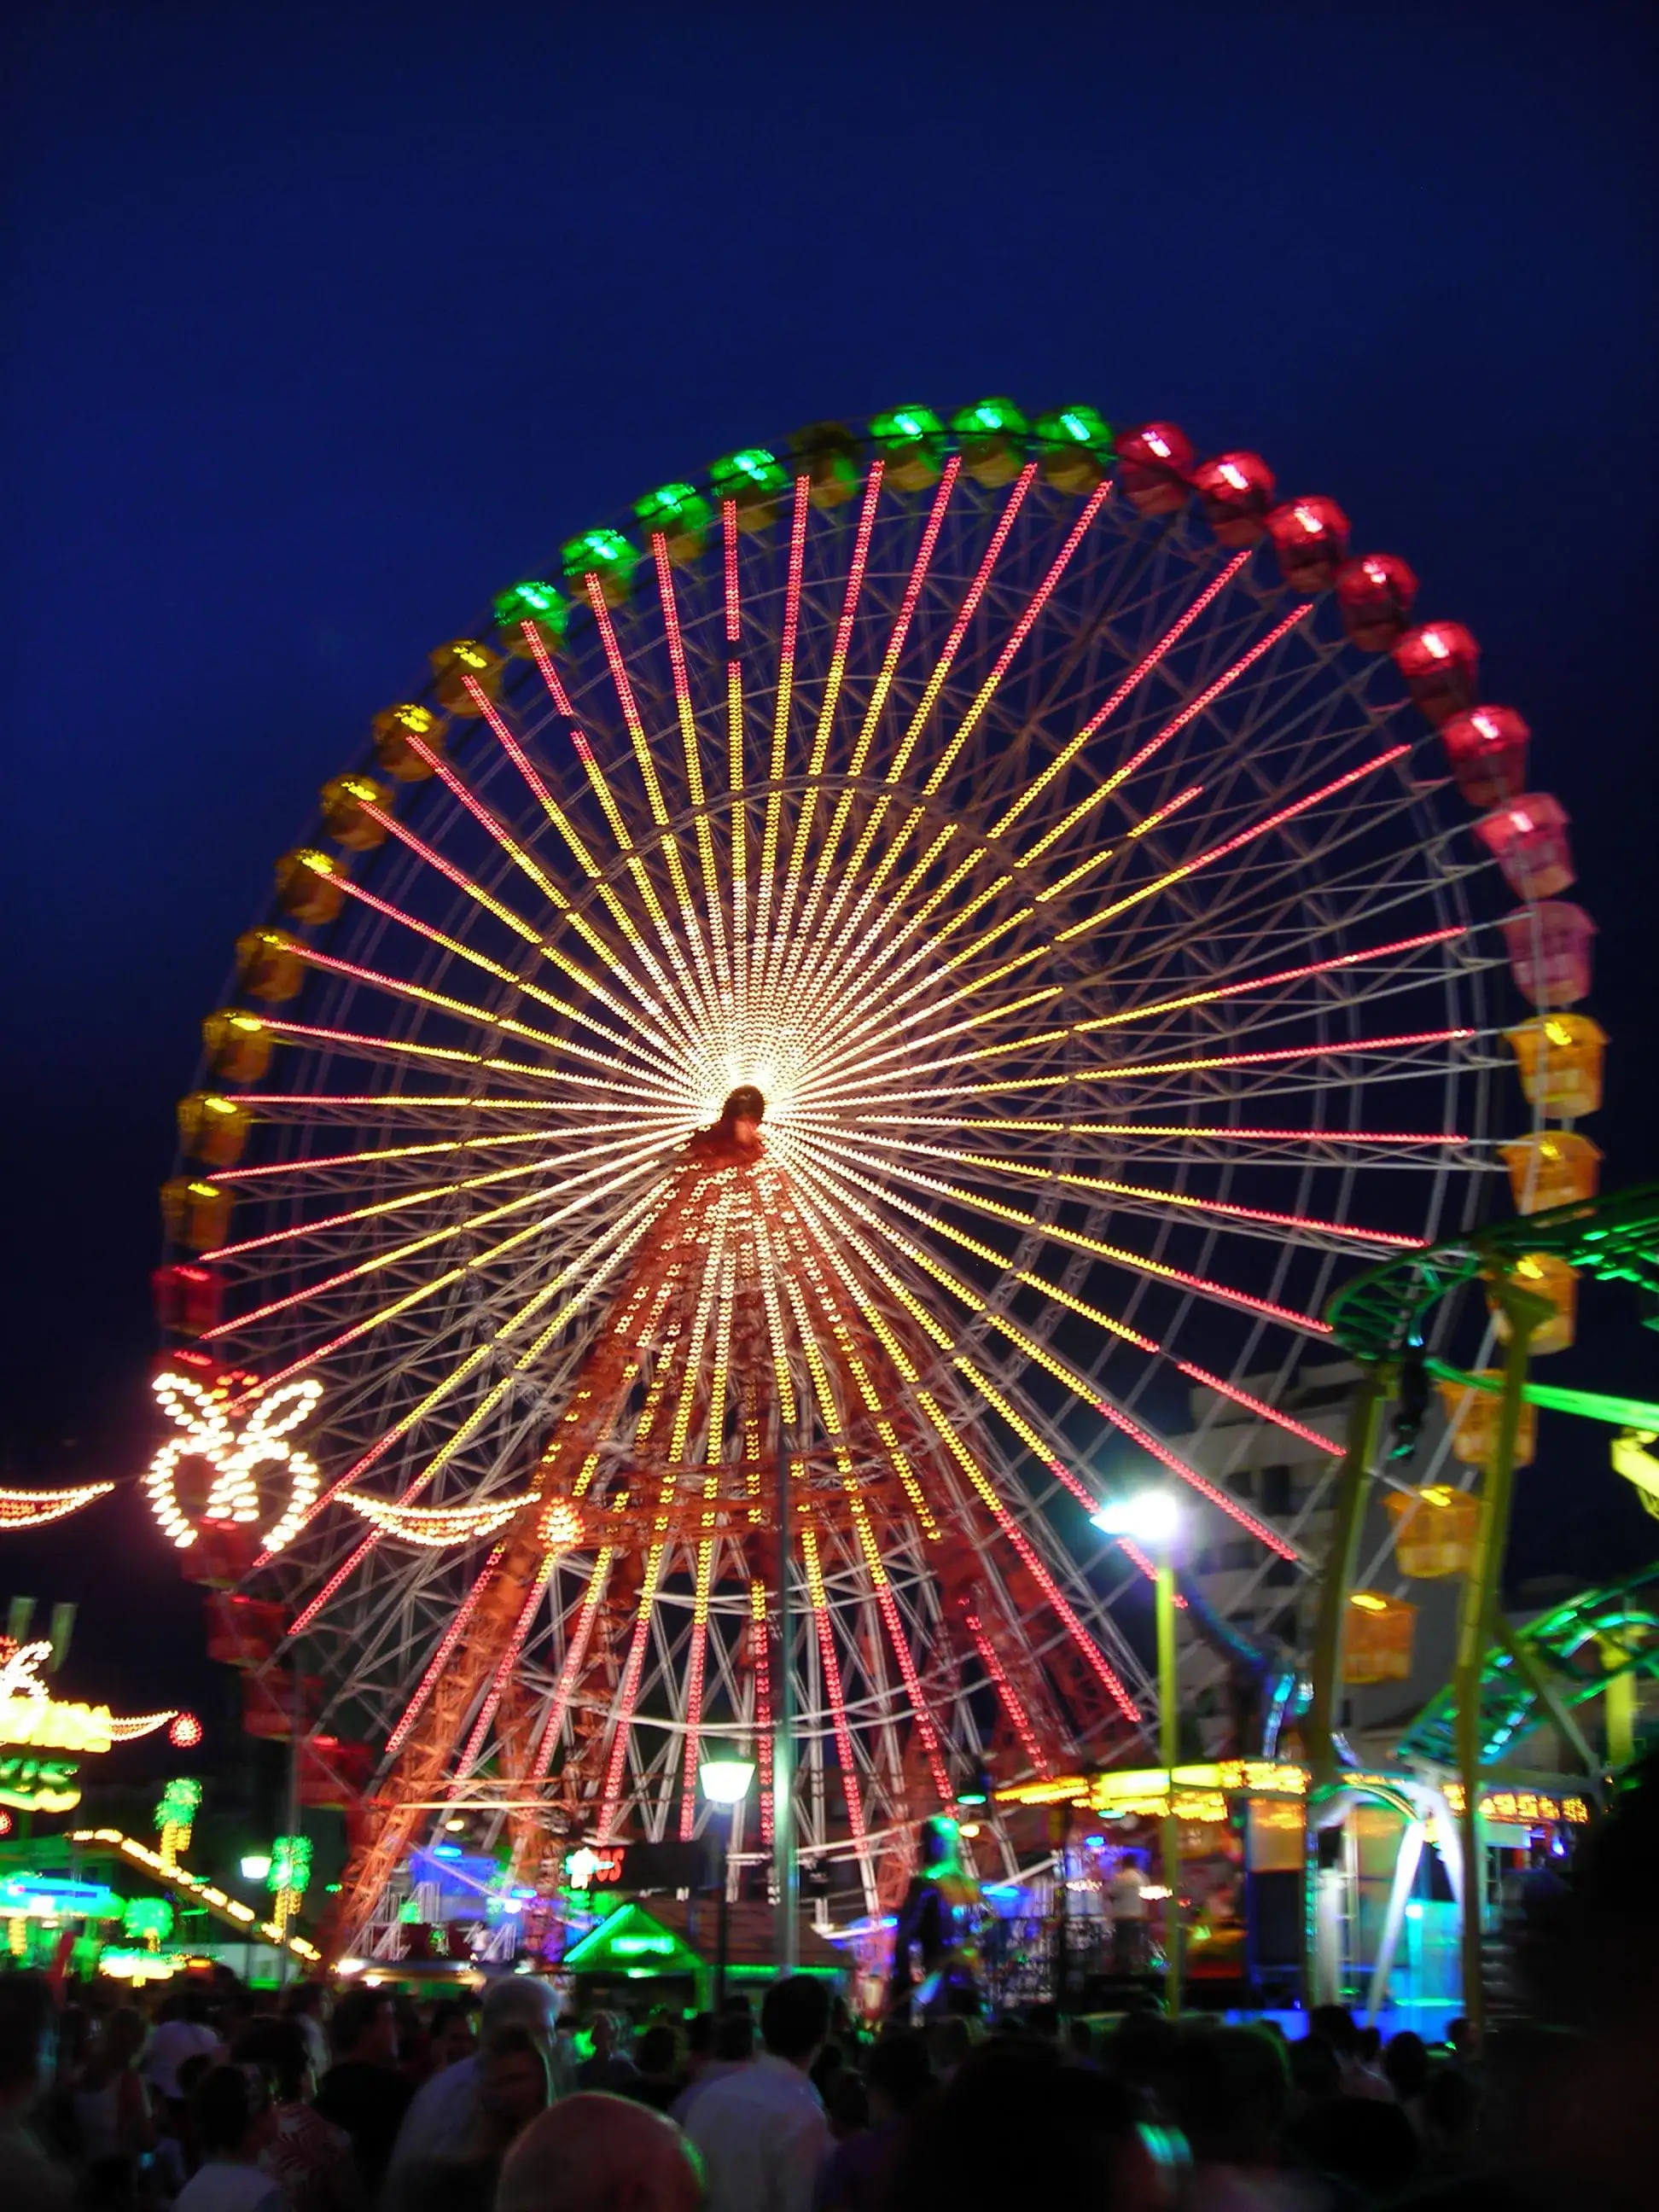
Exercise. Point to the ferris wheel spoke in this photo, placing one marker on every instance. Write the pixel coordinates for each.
(1218, 1133)
(1108, 1324)
(819, 1604)
(1004, 1165)
(767, 973)
(489, 904)
(560, 821)
(869, 1549)
(1030, 1558)
(686, 1010)
(863, 744)
(603, 1263)
(845, 1175)
(482, 1018)
(977, 707)
(691, 747)
(433, 1193)
(708, 1001)
(756, 953)
(1126, 689)
(841, 1037)
(415, 1246)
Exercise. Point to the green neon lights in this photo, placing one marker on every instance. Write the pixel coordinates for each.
(1592, 1404)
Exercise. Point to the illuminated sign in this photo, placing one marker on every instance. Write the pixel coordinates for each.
(31, 1717)
(234, 1457)
(587, 1868)
(44, 1897)
(1524, 1807)
(629, 1935)
(39, 1785)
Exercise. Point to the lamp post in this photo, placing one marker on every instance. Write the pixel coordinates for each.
(726, 1778)
(1151, 1519)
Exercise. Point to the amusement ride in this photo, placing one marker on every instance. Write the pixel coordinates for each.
(820, 1022)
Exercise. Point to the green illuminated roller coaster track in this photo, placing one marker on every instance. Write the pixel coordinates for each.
(1565, 1656)
(1615, 1239)
(1506, 1680)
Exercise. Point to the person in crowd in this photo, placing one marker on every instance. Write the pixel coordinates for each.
(1080, 2043)
(235, 2121)
(1229, 2092)
(762, 2131)
(1363, 2144)
(514, 2088)
(1406, 2065)
(110, 2111)
(1127, 1909)
(308, 2156)
(362, 2091)
(1143, 2048)
(596, 2153)
(183, 2032)
(826, 2070)
(564, 2054)
(732, 2048)
(659, 2078)
(1335, 2025)
(1315, 2077)
(846, 2105)
(307, 2003)
(439, 2122)
(453, 2034)
(609, 2067)
(950, 2043)
(30, 2179)
(1451, 2110)
(1017, 2128)
(858, 2175)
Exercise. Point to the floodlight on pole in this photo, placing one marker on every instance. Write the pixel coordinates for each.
(1150, 1517)
(726, 1778)
(255, 1866)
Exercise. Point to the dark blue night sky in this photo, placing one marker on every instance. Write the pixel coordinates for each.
(325, 321)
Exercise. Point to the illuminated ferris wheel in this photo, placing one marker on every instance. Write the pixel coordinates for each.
(808, 1037)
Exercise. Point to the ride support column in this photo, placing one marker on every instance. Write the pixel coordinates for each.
(1478, 1625)
(1365, 1422)
(786, 1863)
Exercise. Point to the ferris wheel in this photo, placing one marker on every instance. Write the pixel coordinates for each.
(804, 1040)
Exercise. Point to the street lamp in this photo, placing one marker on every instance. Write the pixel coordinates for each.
(726, 1778)
(1152, 1518)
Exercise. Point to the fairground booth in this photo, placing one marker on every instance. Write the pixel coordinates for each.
(1382, 1910)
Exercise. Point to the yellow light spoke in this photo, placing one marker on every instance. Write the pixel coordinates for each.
(757, 952)
(1018, 1217)
(1137, 675)
(426, 1197)
(516, 923)
(400, 1253)
(690, 745)
(876, 703)
(398, 987)
(1232, 844)
(648, 777)
(482, 961)
(819, 756)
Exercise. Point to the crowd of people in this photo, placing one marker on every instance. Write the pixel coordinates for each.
(226, 2100)
(230, 2100)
